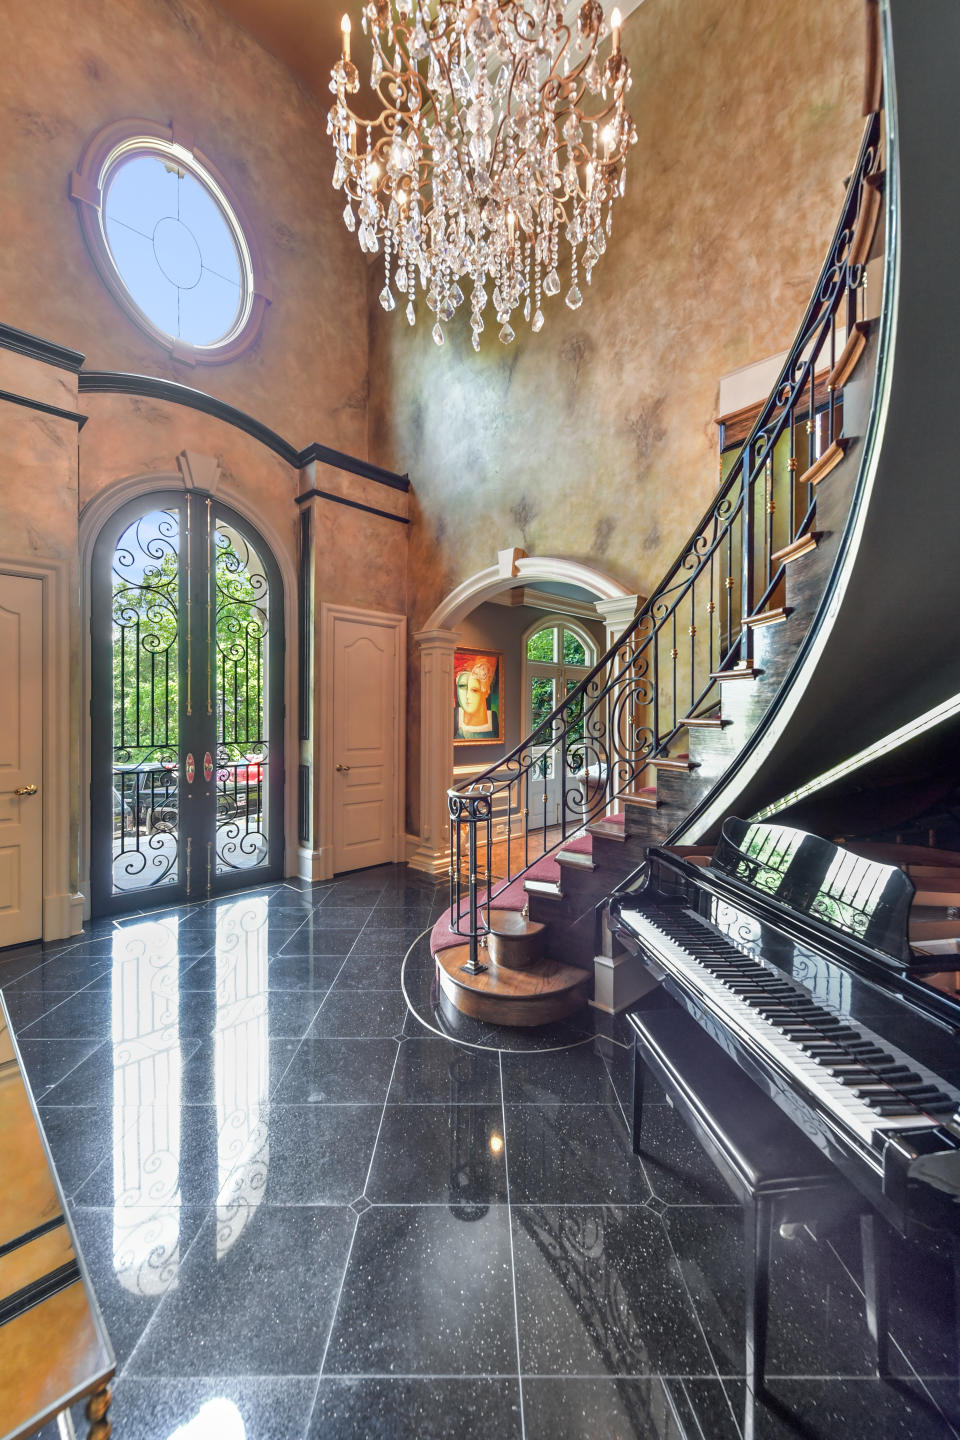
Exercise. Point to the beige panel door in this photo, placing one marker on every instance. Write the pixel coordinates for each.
(21, 759)
(366, 746)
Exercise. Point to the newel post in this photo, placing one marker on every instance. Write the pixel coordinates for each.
(432, 855)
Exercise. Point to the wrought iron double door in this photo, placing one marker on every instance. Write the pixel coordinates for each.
(186, 705)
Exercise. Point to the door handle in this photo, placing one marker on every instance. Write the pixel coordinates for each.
(25, 790)
(343, 769)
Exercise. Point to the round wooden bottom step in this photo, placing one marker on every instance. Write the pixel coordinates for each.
(514, 942)
(546, 992)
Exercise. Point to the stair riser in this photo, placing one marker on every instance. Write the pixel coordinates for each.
(513, 952)
(515, 1015)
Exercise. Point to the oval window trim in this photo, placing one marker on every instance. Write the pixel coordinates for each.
(107, 151)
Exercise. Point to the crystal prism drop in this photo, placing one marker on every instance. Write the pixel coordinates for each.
(456, 294)
(536, 324)
(476, 340)
(411, 313)
(574, 298)
(387, 300)
(551, 283)
(437, 333)
(506, 333)
(348, 219)
(526, 309)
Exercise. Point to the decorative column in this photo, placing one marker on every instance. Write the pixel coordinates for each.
(616, 616)
(432, 855)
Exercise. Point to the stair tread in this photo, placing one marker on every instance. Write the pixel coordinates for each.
(513, 924)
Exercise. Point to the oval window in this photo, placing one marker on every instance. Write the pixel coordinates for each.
(168, 241)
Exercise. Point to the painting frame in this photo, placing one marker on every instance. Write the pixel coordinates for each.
(489, 669)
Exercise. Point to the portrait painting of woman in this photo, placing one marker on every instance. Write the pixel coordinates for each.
(478, 682)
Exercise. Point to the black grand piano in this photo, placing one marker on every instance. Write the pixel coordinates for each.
(792, 955)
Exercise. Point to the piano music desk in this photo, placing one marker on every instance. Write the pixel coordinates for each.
(777, 1174)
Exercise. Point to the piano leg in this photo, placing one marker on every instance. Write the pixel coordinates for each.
(876, 1285)
(758, 1231)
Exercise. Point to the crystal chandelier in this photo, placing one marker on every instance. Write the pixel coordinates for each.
(500, 132)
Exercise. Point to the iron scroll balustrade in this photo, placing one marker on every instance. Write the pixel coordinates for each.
(628, 710)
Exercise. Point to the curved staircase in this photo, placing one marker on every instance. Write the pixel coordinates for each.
(648, 736)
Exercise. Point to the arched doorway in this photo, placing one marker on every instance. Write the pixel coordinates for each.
(186, 704)
(615, 606)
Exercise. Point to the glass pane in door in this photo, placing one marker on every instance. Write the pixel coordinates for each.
(241, 661)
(542, 701)
(145, 643)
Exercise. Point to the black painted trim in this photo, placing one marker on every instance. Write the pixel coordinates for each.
(33, 1234)
(304, 635)
(151, 387)
(74, 415)
(341, 461)
(303, 804)
(354, 504)
(23, 343)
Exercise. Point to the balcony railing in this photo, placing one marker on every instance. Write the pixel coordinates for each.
(666, 666)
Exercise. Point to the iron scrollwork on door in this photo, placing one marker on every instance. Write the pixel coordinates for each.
(146, 680)
(241, 643)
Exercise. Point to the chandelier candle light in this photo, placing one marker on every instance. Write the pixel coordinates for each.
(500, 131)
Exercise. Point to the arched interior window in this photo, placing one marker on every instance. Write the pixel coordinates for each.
(558, 654)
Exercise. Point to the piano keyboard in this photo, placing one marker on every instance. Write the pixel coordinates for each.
(860, 1079)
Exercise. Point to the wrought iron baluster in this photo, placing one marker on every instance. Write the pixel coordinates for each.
(746, 557)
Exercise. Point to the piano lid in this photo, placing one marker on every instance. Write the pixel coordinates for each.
(852, 895)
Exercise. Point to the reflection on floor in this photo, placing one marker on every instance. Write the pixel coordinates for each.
(307, 1214)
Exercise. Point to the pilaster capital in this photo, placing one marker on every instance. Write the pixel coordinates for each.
(617, 614)
(437, 640)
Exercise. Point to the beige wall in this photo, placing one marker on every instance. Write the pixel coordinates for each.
(595, 440)
(69, 67)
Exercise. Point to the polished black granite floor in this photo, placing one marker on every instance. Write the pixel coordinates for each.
(308, 1213)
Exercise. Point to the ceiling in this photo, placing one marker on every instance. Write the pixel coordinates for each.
(305, 34)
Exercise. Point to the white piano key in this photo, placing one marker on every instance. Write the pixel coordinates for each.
(863, 1121)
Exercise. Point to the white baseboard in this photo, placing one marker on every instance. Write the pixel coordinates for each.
(62, 916)
(313, 865)
(429, 862)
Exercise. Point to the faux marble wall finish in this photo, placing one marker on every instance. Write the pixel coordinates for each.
(71, 66)
(596, 439)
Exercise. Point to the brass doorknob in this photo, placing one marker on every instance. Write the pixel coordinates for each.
(343, 769)
(25, 790)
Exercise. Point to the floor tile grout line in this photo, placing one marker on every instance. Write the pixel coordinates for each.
(333, 1321)
(686, 1290)
(356, 1226)
(691, 1407)
(376, 1141)
(513, 1264)
(210, 1213)
(891, 1337)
